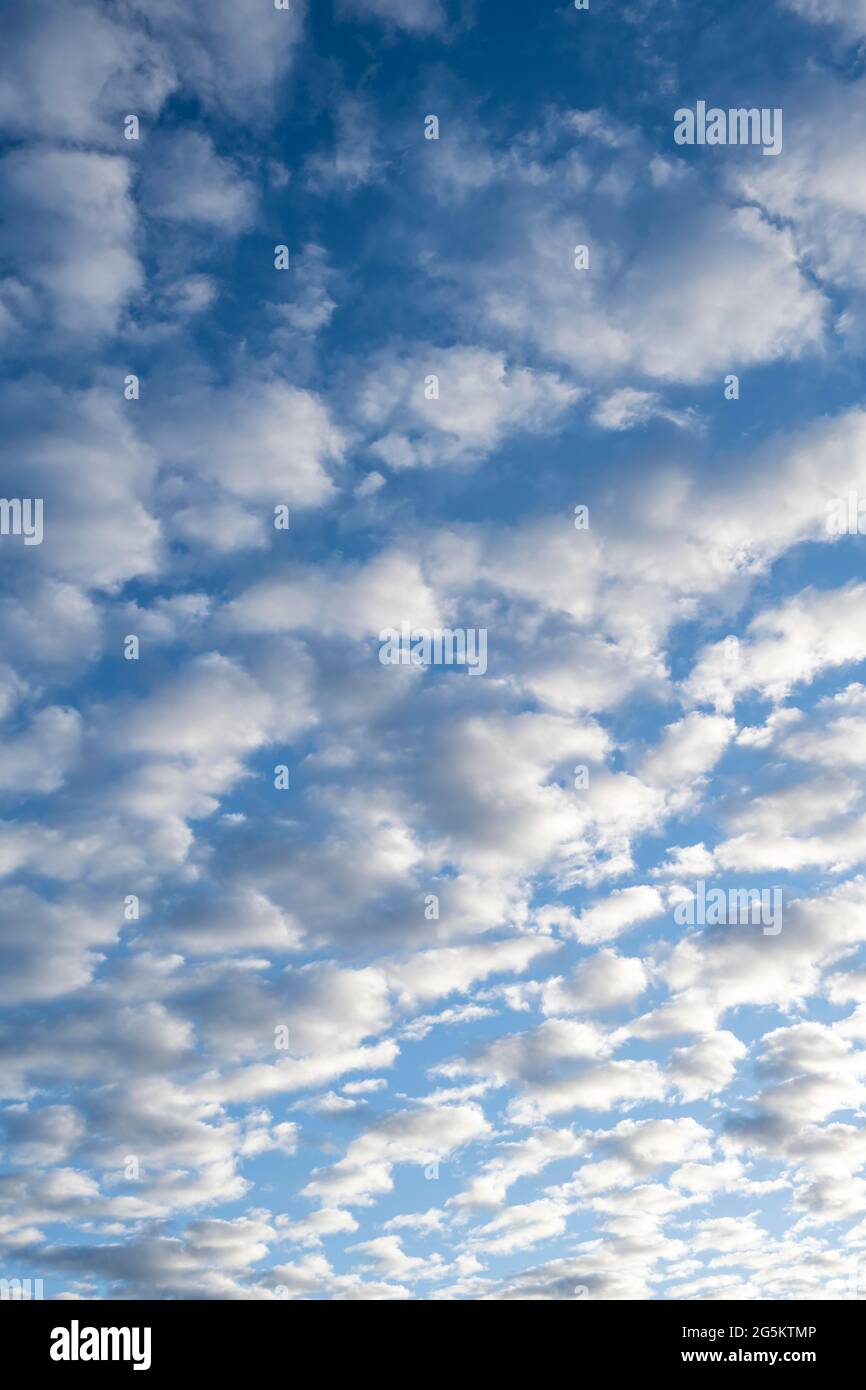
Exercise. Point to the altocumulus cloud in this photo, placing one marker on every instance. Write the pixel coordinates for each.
(330, 979)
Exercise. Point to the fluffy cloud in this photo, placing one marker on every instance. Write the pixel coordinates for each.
(65, 66)
(289, 430)
(851, 17)
(623, 909)
(71, 236)
(478, 400)
(188, 181)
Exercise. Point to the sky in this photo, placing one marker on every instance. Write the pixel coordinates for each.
(329, 977)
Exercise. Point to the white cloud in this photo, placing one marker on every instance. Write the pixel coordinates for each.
(353, 161)
(39, 756)
(628, 407)
(187, 181)
(850, 15)
(684, 310)
(65, 67)
(605, 980)
(230, 53)
(419, 1137)
(680, 1120)
(80, 452)
(784, 646)
(70, 231)
(610, 917)
(479, 399)
(289, 431)
(433, 974)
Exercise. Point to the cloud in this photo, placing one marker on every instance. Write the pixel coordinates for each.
(468, 396)
(707, 1066)
(387, 1257)
(205, 1261)
(353, 161)
(397, 994)
(676, 308)
(39, 756)
(850, 17)
(290, 431)
(59, 951)
(187, 181)
(784, 647)
(229, 53)
(604, 980)
(311, 307)
(814, 194)
(627, 407)
(419, 1137)
(415, 16)
(514, 1161)
(604, 920)
(70, 68)
(81, 453)
(432, 974)
(70, 233)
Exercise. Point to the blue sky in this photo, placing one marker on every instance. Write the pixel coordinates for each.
(551, 1089)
